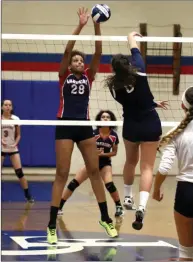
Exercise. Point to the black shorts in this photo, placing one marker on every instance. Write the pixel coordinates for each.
(104, 162)
(9, 153)
(74, 133)
(145, 129)
(184, 199)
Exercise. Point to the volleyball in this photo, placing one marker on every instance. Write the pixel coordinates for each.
(100, 13)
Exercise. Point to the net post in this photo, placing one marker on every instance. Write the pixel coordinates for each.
(143, 45)
(177, 49)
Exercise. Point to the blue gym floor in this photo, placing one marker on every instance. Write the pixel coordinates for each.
(80, 236)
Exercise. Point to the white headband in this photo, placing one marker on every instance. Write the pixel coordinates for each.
(184, 101)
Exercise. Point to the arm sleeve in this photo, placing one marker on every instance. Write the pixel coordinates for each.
(14, 117)
(137, 60)
(168, 157)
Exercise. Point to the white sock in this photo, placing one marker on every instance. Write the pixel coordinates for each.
(128, 190)
(143, 198)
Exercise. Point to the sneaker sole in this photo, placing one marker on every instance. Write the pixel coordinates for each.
(137, 225)
(53, 243)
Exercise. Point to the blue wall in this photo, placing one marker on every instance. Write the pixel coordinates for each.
(38, 100)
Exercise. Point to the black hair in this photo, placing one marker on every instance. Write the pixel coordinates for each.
(76, 52)
(124, 73)
(112, 116)
(2, 103)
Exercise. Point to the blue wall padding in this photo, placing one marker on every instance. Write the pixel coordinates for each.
(38, 100)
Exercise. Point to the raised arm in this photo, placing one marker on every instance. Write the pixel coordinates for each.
(97, 55)
(137, 59)
(83, 19)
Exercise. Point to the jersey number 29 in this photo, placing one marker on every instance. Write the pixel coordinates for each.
(77, 90)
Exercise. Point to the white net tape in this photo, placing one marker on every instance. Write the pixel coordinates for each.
(72, 123)
(95, 38)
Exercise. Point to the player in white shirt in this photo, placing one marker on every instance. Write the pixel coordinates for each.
(180, 144)
(10, 137)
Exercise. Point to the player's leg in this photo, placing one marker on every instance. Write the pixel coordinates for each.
(149, 132)
(132, 158)
(16, 163)
(147, 160)
(80, 177)
(106, 174)
(184, 227)
(183, 214)
(64, 149)
(89, 152)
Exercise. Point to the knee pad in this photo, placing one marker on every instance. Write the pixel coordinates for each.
(19, 173)
(73, 185)
(185, 252)
(111, 187)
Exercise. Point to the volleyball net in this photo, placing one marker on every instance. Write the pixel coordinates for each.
(36, 58)
(30, 66)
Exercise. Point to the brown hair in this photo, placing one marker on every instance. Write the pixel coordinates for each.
(2, 103)
(189, 117)
(124, 73)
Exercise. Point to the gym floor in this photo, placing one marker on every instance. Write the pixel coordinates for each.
(80, 236)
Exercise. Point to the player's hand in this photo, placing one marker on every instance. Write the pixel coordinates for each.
(3, 143)
(100, 151)
(13, 145)
(133, 34)
(162, 104)
(157, 195)
(83, 16)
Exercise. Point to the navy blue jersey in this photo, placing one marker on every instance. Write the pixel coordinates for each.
(74, 96)
(106, 143)
(137, 100)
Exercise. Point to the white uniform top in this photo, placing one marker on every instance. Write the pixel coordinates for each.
(182, 147)
(8, 136)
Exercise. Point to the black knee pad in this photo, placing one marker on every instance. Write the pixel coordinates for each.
(73, 185)
(19, 173)
(111, 187)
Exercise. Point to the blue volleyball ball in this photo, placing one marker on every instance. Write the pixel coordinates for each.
(100, 13)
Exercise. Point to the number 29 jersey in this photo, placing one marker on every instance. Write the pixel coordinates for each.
(74, 96)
